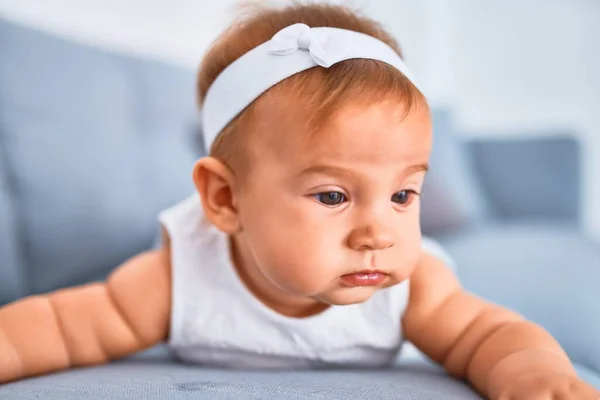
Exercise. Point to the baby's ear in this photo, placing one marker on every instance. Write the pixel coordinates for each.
(214, 182)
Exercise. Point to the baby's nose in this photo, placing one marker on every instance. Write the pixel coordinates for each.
(373, 236)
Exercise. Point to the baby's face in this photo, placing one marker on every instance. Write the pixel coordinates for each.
(335, 216)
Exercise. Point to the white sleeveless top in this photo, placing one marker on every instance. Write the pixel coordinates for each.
(216, 320)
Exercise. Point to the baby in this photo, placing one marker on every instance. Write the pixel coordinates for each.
(302, 246)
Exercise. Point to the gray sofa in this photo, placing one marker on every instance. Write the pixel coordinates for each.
(93, 144)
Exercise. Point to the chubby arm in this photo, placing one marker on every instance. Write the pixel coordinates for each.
(89, 324)
(473, 339)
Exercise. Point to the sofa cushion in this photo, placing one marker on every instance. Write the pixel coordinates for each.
(548, 273)
(533, 178)
(160, 380)
(453, 198)
(96, 144)
(11, 276)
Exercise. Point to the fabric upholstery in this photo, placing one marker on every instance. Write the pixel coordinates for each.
(161, 380)
(452, 197)
(548, 273)
(11, 276)
(536, 178)
(95, 144)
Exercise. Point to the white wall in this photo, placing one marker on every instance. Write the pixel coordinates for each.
(511, 65)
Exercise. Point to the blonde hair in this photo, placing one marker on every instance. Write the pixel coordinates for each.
(324, 89)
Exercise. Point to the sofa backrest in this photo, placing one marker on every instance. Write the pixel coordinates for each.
(92, 145)
(535, 177)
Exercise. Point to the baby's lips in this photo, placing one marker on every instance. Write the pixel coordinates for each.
(364, 278)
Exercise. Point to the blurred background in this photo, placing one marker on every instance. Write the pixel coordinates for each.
(518, 67)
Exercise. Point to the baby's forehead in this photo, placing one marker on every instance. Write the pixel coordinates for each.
(382, 131)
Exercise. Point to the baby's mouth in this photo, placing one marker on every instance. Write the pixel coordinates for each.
(364, 278)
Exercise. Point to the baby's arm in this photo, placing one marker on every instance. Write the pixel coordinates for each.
(474, 339)
(88, 324)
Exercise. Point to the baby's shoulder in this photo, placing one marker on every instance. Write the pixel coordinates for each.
(435, 249)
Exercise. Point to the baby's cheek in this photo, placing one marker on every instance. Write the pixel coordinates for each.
(298, 250)
(303, 265)
(297, 261)
(406, 255)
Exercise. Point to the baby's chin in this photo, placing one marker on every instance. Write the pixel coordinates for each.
(341, 295)
(345, 296)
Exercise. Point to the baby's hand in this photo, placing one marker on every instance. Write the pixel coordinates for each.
(546, 386)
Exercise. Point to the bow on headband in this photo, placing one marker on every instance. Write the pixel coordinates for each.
(325, 47)
(291, 50)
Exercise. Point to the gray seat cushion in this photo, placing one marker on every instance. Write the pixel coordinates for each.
(156, 375)
(160, 380)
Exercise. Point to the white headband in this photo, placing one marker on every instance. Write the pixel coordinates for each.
(255, 72)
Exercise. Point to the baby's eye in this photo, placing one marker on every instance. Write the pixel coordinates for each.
(404, 197)
(330, 198)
